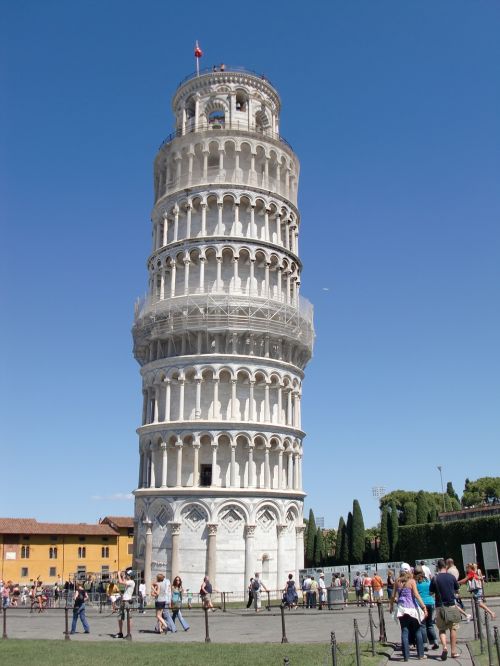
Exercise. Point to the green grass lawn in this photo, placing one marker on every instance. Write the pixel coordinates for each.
(77, 653)
(482, 659)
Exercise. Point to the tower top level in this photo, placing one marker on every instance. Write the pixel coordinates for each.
(226, 98)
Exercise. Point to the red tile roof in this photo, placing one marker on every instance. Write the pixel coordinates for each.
(119, 521)
(32, 526)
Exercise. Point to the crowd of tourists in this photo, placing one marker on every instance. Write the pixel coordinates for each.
(428, 604)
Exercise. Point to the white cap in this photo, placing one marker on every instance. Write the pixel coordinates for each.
(405, 567)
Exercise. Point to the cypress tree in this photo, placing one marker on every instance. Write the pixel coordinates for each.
(410, 513)
(384, 549)
(347, 543)
(394, 532)
(450, 490)
(422, 507)
(311, 538)
(340, 539)
(357, 534)
(319, 548)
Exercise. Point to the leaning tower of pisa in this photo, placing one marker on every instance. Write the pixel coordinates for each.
(222, 338)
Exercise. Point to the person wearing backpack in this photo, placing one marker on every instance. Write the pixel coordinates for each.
(358, 588)
(257, 587)
(81, 597)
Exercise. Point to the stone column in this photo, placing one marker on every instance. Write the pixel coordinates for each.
(152, 479)
(249, 556)
(175, 559)
(148, 555)
(280, 406)
(197, 412)
(144, 407)
(178, 481)
(233, 399)
(252, 402)
(289, 478)
(202, 274)
(215, 446)
(267, 417)
(219, 273)
(196, 466)
(281, 479)
(289, 408)
(164, 464)
(181, 399)
(296, 471)
(165, 229)
(280, 559)
(167, 400)
(176, 223)
(252, 289)
(252, 221)
(251, 474)
(235, 273)
(267, 469)
(219, 220)
(266, 221)
(186, 276)
(144, 457)
(212, 552)
(203, 219)
(157, 400)
(173, 271)
(233, 465)
(205, 164)
(299, 549)
(215, 409)
(300, 471)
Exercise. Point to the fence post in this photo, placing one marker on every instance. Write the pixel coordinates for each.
(497, 642)
(268, 600)
(489, 642)
(333, 643)
(224, 602)
(479, 629)
(66, 624)
(129, 632)
(284, 639)
(4, 634)
(381, 622)
(356, 643)
(372, 637)
(207, 635)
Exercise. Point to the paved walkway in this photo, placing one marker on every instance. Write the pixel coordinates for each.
(234, 626)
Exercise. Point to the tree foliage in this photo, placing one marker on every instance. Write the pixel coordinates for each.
(384, 549)
(310, 539)
(345, 553)
(450, 490)
(319, 548)
(409, 513)
(340, 539)
(485, 490)
(357, 535)
(394, 531)
(422, 508)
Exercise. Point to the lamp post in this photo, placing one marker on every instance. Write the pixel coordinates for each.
(442, 487)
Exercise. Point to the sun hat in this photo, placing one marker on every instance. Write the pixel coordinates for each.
(405, 567)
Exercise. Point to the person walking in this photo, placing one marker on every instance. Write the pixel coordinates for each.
(321, 591)
(125, 578)
(378, 588)
(475, 584)
(113, 594)
(290, 596)
(314, 592)
(206, 591)
(177, 595)
(344, 584)
(250, 594)
(444, 587)
(390, 583)
(257, 587)
(159, 592)
(306, 590)
(80, 598)
(410, 611)
(142, 596)
(429, 627)
(358, 588)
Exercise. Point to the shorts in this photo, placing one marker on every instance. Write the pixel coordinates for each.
(442, 625)
(123, 606)
(477, 595)
(160, 605)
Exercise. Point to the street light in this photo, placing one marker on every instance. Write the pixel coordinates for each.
(442, 487)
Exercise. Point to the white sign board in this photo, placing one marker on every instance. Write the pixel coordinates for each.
(10, 555)
(490, 554)
(468, 553)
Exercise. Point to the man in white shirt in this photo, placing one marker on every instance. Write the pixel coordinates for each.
(427, 572)
(141, 597)
(124, 578)
(322, 590)
(306, 589)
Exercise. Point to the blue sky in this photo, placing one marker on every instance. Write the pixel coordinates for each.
(392, 108)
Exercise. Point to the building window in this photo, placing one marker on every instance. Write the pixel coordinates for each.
(205, 475)
(82, 552)
(25, 552)
(104, 572)
(216, 119)
(105, 551)
(52, 572)
(81, 572)
(130, 549)
(24, 572)
(81, 538)
(53, 553)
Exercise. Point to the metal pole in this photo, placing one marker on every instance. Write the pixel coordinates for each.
(381, 621)
(442, 486)
(66, 625)
(356, 642)
(223, 602)
(372, 637)
(4, 634)
(268, 600)
(333, 642)
(497, 642)
(474, 619)
(489, 642)
(129, 632)
(284, 639)
(207, 635)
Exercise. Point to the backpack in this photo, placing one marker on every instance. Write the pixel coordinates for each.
(256, 584)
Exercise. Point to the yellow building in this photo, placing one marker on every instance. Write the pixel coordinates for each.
(57, 551)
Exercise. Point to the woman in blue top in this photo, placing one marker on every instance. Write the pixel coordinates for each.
(429, 625)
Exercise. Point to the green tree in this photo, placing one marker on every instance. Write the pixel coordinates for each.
(340, 539)
(432, 513)
(347, 543)
(319, 548)
(357, 534)
(311, 538)
(329, 539)
(394, 531)
(422, 507)
(410, 513)
(450, 490)
(384, 550)
(485, 490)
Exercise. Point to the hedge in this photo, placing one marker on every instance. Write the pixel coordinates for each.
(445, 539)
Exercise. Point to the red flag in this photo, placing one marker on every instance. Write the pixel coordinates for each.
(197, 51)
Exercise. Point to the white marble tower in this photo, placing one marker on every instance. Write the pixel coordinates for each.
(222, 338)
